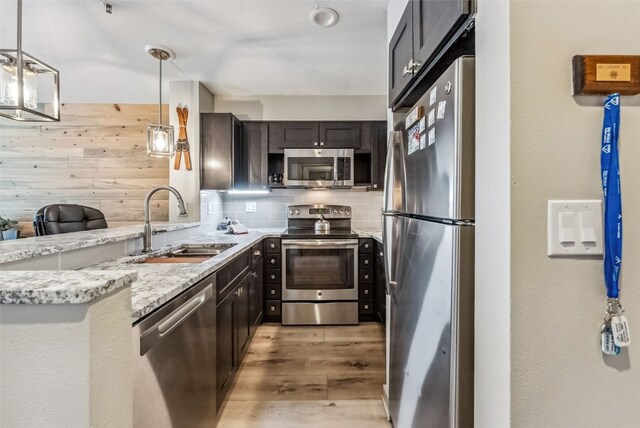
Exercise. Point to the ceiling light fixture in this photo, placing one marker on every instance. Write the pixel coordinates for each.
(29, 88)
(324, 17)
(160, 142)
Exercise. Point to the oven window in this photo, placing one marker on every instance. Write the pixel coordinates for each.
(306, 168)
(320, 269)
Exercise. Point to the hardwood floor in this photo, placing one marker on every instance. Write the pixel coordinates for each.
(310, 377)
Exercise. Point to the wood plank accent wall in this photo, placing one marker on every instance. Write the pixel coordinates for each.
(95, 156)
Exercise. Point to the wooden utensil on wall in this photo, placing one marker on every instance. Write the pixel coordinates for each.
(182, 146)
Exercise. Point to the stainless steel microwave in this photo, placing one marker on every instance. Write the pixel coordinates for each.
(318, 168)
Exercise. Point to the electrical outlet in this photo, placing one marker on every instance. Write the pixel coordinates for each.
(251, 207)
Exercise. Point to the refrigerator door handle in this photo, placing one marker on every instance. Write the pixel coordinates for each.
(387, 249)
(393, 191)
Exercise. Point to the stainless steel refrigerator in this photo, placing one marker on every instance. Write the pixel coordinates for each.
(428, 227)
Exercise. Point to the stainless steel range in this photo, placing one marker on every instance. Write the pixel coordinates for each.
(319, 268)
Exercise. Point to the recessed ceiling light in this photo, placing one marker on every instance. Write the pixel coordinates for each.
(324, 17)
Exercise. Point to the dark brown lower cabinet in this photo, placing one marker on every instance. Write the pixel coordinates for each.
(256, 291)
(234, 320)
(226, 366)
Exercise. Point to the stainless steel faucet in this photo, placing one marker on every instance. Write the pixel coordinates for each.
(146, 239)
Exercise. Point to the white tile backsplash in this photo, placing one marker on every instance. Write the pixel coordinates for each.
(271, 208)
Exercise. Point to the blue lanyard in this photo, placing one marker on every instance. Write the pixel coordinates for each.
(610, 167)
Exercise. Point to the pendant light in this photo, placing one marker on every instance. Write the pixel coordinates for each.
(29, 88)
(160, 142)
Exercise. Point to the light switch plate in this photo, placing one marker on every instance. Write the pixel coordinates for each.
(251, 207)
(574, 228)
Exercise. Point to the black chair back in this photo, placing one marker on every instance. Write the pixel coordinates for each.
(64, 218)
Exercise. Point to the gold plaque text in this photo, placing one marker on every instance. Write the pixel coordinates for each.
(613, 72)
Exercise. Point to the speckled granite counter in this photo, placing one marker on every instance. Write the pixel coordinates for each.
(369, 233)
(159, 283)
(61, 287)
(21, 249)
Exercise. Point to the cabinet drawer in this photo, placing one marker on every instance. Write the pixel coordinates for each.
(272, 246)
(232, 274)
(272, 261)
(365, 261)
(273, 276)
(272, 291)
(366, 306)
(273, 308)
(365, 246)
(366, 291)
(365, 276)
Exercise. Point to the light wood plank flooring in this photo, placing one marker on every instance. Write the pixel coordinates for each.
(310, 377)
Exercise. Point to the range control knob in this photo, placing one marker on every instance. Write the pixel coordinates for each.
(335, 211)
(297, 212)
(347, 212)
(341, 211)
(292, 212)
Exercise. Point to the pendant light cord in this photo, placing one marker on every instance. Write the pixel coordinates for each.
(20, 59)
(160, 117)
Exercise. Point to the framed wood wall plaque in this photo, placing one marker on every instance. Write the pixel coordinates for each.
(606, 74)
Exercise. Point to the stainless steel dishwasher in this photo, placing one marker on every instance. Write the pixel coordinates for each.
(175, 362)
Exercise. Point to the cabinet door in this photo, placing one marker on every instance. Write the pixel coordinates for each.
(256, 296)
(256, 148)
(434, 23)
(293, 135)
(400, 53)
(378, 154)
(226, 348)
(221, 145)
(339, 135)
(243, 320)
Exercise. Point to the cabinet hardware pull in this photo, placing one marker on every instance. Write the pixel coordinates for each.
(366, 291)
(366, 277)
(414, 65)
(257, 253)
(315, 143)
(406, 71)
(321, 143)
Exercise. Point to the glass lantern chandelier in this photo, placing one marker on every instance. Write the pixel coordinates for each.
(29, 88)
(160, 143)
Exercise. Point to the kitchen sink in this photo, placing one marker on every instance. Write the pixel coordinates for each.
(198, 250)
(190, 253)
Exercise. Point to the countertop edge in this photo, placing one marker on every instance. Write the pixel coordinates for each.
(52, 287)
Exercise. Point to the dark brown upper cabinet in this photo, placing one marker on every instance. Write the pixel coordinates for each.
(401, 54)
(221, 165)
(428, 32)
(313, 135)
(338, 135)
(256, 152)
(287, 135)
(378, 154)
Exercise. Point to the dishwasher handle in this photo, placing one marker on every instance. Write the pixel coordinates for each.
(166, 325)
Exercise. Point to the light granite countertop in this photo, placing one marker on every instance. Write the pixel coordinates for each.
(152, 285)
(21, 249)
(158, 283)
(61, 287)
(369, 233)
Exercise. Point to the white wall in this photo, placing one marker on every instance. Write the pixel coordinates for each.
(563, 379)
(272, 107)
(198, 100)
(493, 230)
(67, 365)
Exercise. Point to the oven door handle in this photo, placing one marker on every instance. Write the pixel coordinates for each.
(315, 243)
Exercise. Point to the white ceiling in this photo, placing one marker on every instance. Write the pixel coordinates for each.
(235, 47)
